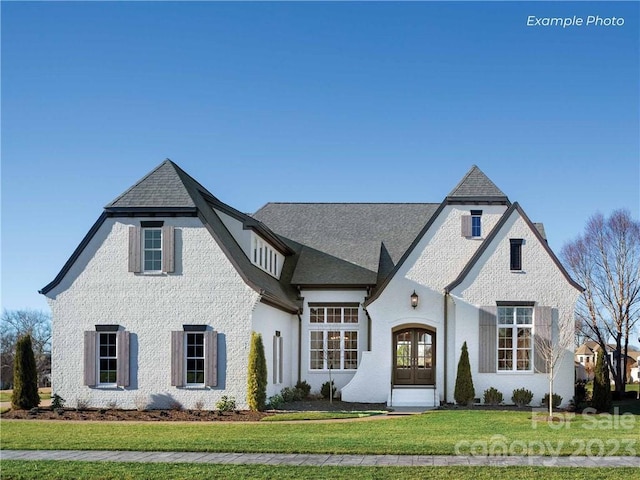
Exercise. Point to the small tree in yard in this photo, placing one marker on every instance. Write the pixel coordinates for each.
(25, 377)
(257, 377)
(464, 392)
(553, 342)
(601, 398)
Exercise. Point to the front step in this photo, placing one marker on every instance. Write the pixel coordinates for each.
(414, 397)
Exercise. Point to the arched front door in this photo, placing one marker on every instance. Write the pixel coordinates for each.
(414, 357)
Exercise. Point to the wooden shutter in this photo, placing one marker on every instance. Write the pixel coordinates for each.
(542, 336)
(466, 225)
(134, 250)
(280, 360)
(177, 358)
(277, 359)
(122, 372)
(487, 342)
(168, 249)
(211, 358)
(90, 358)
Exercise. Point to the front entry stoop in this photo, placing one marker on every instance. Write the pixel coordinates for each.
(424, 397)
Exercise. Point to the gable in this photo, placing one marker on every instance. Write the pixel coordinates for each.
(488, 274)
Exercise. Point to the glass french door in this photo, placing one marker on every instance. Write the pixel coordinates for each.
(414, 357)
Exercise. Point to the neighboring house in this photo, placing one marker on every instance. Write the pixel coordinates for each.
(586, 355)
(158, 301)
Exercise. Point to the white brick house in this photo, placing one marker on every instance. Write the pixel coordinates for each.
(158, 301)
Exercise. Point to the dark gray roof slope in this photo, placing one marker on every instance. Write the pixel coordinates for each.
(161, 188)
(316, 268)
(476, 184)
(350, 231)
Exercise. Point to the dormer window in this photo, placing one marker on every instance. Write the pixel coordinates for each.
(266, 257)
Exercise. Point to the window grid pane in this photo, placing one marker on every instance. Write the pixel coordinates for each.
(152, 243)
(195, 358)
(107, 360)
(515, 341)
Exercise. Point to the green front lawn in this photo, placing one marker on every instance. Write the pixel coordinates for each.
(298, 416)
(45, 394)
(19, 470)
(439, 432)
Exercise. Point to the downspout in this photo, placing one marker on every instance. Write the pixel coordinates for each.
(446, 318)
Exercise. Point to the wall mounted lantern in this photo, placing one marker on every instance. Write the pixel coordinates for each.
(414, 299)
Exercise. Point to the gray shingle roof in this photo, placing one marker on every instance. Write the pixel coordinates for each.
(476, 184)
(161, 188)
(318, 268)
(352, 232)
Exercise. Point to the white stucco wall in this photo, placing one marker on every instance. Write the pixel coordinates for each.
(491, 280)
(443, 251)
(205, 289)
(266, 321)
(235, 227)
(317, 377)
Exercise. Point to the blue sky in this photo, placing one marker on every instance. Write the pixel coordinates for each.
(305, 102)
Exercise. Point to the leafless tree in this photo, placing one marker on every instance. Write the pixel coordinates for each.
(13, 325)
(553, 347)
(605, 259)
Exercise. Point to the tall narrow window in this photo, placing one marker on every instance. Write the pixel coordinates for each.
(476, 223)
(516, 253)
(107, 358)
(195, 358)
(515, 340)
(152, 248)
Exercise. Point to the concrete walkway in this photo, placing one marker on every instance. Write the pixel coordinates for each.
(316, 459)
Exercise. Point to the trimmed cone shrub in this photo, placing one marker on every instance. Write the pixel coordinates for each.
(257, 377)
(25, 377)
(464, 392)
(601, 398)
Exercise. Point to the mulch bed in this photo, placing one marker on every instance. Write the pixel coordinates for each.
(135, 415)
(114, 415)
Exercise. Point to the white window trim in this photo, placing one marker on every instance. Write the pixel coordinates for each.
(514, 337)
(144, 250)
(325, 329)
(100, 384)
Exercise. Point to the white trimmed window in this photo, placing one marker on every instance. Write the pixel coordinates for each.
(333, 342)
(152, 249)
(266, 257)
(515, 339)
(333, 349)
(107, 358)
(195, 358)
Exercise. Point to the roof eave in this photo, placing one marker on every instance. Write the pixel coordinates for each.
(476, 200)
